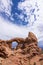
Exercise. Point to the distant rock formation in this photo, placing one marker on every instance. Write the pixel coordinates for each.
(26, 51)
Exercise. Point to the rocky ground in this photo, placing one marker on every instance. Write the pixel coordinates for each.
(27, 51)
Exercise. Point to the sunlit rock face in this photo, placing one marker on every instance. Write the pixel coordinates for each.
(26, 51)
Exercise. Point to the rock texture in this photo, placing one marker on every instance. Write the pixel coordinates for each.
(27, 51)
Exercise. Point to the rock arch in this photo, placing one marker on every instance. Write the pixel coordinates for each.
(31, 38)
(23, 43)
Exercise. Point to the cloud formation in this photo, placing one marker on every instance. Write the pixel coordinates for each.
(34, 11)
(9, 30)
(30, 9)
(5, 6)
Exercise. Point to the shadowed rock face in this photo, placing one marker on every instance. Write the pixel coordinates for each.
(27, 48)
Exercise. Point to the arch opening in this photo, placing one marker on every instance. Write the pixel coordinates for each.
(14, 45)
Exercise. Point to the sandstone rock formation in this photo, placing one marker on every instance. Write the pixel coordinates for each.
(27, 51)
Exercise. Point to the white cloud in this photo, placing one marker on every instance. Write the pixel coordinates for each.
(27, 7)
(9, 30)
(5, 6)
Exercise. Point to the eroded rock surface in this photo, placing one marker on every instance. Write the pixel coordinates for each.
(27, 51)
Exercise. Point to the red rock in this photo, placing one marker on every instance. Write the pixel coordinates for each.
(27, 51)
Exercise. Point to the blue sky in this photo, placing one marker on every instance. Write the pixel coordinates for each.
(16, 12)
(18, 17)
